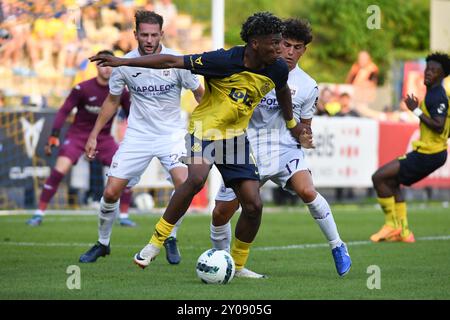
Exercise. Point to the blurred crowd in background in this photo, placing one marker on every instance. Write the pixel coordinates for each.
(44, 46)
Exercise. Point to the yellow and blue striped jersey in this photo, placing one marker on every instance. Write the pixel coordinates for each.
(232, 91)
(434, 105)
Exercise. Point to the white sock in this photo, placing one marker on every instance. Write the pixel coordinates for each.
(107, 214)
(39, 213)
(175, 228)
(321, 212)
(221, 236)
(123, 215)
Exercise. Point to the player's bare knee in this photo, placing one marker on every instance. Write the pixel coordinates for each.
(308, 193)
(376, 179)
(196, 183)
(110, 195)
(252, 209)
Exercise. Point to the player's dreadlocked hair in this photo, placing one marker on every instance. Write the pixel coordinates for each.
(441, 58)
(298, 29)
(150, 17)
(261, 24)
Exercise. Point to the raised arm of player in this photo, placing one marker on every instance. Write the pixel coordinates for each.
(154, 61)
(108, 110)
(435, 123)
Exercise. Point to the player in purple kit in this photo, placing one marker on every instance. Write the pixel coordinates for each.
(87, 97)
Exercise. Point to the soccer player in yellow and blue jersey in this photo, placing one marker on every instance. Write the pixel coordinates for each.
(235, 82)
(429, 152)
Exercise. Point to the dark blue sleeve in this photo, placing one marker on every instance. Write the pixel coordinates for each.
(280, 74)
(438, 105)
(209, 64)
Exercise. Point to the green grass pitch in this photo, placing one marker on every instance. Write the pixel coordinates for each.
(289, 248)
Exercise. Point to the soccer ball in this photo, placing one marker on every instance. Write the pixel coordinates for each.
(215, 266)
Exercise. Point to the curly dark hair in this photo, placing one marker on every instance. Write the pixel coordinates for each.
(261, 24)
(441, 58)
(143, 16)
(298, 29)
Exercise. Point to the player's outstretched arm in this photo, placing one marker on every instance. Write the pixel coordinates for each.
(108, 110)
(154, 61)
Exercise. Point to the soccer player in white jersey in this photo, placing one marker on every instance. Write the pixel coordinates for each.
(155, 128)
(279, 156)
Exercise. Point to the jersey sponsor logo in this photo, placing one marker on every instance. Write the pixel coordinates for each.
(269, 103)
(135, 75)
(153, 90)
(31, 134)
(240, 96)
(199, 61)
(92, 109)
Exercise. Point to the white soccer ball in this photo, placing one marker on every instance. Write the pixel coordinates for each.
(215, 266)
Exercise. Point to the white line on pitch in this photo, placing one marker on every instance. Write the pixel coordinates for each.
(289, 247)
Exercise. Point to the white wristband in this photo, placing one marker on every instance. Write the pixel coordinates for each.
(418, 112)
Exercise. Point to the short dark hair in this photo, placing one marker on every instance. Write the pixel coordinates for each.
(106, 52)
(441, 58)
(143, 16)
(298, 29)
(261, 24)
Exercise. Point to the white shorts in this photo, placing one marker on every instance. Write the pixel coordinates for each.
(287, 163)
(133, 157)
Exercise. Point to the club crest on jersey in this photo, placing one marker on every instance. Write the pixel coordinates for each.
(266, 88)
(196, 147)
(166, 73)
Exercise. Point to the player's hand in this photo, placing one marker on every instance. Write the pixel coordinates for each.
(51, 143)
(89, 148)
(298, 129)
(106, 60)
(412, 102)
(306, 139)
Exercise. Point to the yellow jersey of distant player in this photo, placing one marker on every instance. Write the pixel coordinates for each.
(232, 91)
(434, 105)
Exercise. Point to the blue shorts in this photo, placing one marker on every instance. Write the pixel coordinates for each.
(233, 157)
(414, 166)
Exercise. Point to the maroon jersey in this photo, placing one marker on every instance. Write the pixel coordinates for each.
(87, 97)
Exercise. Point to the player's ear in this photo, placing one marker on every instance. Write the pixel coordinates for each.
(254, 44)
(135, 34)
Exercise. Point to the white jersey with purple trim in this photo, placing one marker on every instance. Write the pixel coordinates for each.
(268, 115)
(155, 97)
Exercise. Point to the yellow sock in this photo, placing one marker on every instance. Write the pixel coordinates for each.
(388, 207)
(162, 231)
(239, 252)
(402, 220)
